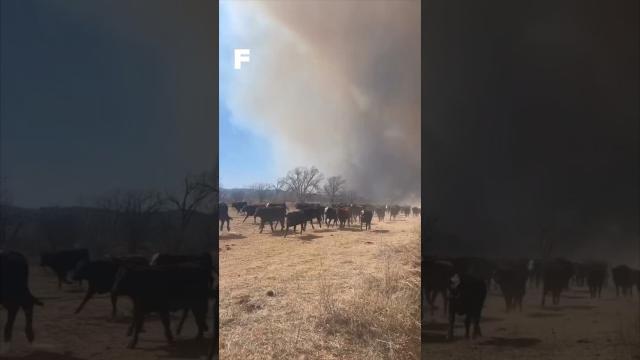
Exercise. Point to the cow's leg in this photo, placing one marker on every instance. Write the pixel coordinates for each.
(200, 315)
(138, 317)
(520, 303)
(164, 316)
(286, 232)
(228, 225)
(476, 327)
(181, 322)
(114, 305)
(245, 218)
(452, 320)
(445, 301)
(12, 311)
(132, 325)
(467, 324)
(221, 225)
(28, 316)
(88, 296)
(430, 298)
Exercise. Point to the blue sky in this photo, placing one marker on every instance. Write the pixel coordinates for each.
(245, 157)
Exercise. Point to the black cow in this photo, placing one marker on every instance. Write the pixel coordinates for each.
(270, 215)
(406, 210)
(294, 219)
(223, 215)
(477, 267)
(381, 212)
(282, 205)
(101, 275)
(313, 212)
(394, 211)
(436, 274)
(623, 278)
(596, 275)
(355, 212)
(15, 293)
(555, 276)
(416, 211)
(163, 289)
(238, 205)
(466, 297)
(580, 276)
(330, 215)
(535, 272)
(344, 216)
(365, 218)
(63, 262)
(512, 279)
(250, 210)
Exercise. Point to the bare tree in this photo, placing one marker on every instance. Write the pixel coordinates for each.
(302, 182)
(138, 207)
(237, 195)
(333, 187)
(261, 190)
(351, 196)
(127, 215)
(58, 227)
(196, 190)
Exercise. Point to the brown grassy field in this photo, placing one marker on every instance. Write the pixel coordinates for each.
(579, 328)
(61, 335)
(326, 294)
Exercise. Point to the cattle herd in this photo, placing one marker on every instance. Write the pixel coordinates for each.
(463, 283)
(162, 284)
(340, 215)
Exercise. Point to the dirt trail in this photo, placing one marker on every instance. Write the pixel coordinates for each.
(274, 290)
(579, 328)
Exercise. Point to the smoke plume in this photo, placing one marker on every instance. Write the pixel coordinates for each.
(335, 85)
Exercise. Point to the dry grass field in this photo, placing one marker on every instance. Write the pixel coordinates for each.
(92, 334)
(579, 328)
(325, 294)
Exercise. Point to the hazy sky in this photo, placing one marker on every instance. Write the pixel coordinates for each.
(103, 94)
(531, 118)
(333, 84)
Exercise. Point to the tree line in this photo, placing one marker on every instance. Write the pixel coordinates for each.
(130, 221)
(301, 184)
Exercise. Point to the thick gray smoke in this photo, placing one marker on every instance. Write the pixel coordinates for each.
(335, 84)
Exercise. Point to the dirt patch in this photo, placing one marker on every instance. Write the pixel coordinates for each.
(512, 342)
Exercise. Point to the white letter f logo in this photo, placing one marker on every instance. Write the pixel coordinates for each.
(240, 56)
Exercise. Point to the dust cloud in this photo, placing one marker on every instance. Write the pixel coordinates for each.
(335, 85)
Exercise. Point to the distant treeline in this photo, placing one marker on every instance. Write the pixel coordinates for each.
(118, 222)
(104, 231)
